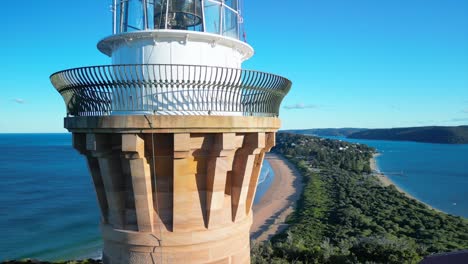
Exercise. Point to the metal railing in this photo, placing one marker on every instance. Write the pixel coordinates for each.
(169, 90)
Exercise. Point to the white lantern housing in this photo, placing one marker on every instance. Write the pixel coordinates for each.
(173, 57)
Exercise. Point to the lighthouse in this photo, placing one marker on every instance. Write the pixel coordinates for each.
(174, 131)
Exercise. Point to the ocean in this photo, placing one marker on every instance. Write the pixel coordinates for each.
(48, 207)
(436, 174)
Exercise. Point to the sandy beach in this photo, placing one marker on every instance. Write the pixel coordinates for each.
(386, 181)
(278, 202)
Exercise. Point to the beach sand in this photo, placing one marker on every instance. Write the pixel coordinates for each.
(270, 213)
(387, 182)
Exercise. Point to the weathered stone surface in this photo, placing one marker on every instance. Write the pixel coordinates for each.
(178, 189)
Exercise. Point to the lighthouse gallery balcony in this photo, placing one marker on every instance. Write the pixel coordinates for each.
(163, 89)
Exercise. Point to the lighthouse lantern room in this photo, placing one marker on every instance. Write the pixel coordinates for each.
(194, 32)
(173, 57)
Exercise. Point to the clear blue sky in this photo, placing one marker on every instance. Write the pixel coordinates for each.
(361, 63)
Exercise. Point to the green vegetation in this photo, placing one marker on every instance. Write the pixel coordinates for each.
(345, 215)
(434, 134)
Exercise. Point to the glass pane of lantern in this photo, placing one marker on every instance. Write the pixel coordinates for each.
(178, 14)
(122, 16)
(232, 4)
(118, 11)
(135, 16)
(150, 14)
(212, 17)
(159, 10)
(230, 24)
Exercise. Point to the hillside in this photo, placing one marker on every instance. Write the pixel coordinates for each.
(432, 134)
(335, 132)
(346, 215)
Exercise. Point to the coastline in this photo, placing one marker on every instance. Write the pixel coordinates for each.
(270, 213)
(386, 181)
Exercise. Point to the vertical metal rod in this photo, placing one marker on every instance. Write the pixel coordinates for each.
(90, 91)
(239, 18)
(129, 81)
(239, 90)
(153, 94)
(114, 17)
(232, 89)
(248, 91)
(203, 15)
(221, 17)
(146, 82)
(166, 86)
(218, 86)
(127, 8)
(276, 98)
(160, 87)
(105, 77)
(167, 14)
(136, 86)
(263, 96)
(122, 88)
(200, 87)
(145, 15)
(100, 87)
(84, 90)
(213, 87)
(121, 22)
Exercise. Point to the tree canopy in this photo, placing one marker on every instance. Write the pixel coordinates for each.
(345, 214)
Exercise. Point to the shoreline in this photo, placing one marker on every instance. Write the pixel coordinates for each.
(386, 181)
(279, 201)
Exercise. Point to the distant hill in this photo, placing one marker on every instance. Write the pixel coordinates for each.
(431, 134)
(335, 132)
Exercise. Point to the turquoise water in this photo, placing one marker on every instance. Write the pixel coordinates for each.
(264, 181)
(436, 174)
(48, 207)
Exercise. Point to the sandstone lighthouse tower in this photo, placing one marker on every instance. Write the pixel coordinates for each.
(174, 131)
